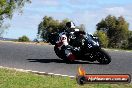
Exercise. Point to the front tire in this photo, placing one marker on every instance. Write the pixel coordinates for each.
(103, 57)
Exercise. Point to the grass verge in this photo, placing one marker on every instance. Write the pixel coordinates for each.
(15, 79)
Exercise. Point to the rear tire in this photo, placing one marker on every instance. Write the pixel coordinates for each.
(103, 57)
(58, 52)
(61, 55)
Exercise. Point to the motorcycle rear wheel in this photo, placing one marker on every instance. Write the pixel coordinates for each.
(61, 55)
(58, 52)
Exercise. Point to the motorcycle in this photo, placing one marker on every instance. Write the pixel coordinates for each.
(86, 47)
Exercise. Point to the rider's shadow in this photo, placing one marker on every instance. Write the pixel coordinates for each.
(59, 61)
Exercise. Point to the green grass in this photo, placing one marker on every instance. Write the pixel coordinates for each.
(15, 79)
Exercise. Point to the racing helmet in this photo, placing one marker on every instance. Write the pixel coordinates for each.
(70, 25)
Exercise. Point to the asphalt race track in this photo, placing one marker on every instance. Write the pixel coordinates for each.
(42, 58)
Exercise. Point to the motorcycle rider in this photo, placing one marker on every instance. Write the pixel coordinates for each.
(63, 42)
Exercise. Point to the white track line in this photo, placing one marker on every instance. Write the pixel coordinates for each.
(36, 72)
(128, 51)
(118, 50)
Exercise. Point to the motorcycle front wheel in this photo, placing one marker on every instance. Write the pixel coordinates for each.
(103, 57)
